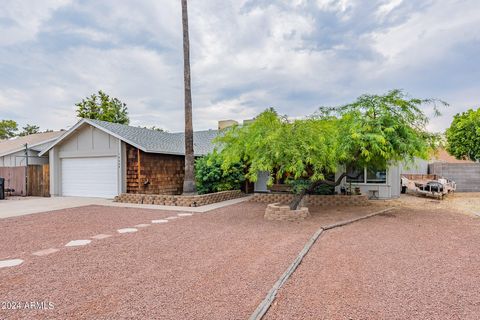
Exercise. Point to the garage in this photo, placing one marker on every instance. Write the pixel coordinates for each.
(90, 177)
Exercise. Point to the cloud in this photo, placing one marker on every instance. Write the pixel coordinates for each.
(246, 56)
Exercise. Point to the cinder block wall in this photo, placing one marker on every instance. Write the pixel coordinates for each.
(465, 175)
(159, 173)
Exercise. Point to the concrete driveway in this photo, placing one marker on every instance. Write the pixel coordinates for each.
(23, 206)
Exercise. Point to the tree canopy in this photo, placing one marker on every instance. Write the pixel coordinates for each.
(29, 129)
(372, 131)
(103, 107)
(8, 129)
(463, 135)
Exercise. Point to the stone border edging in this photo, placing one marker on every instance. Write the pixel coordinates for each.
(267, 302)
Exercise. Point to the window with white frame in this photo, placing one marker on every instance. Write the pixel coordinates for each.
(370, 175)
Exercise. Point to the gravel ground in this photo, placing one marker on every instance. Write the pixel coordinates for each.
(217, 265)
(405, 264)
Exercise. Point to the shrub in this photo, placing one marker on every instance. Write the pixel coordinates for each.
(210, 176)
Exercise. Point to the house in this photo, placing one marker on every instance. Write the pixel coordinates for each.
(103, 159)
(13, 152)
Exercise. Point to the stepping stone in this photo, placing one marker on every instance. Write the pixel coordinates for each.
(10, 263)
(127, 230)
(77, 243)
(45, 252)
(160, 221)
(185, 214)
(171, 218)
(101, 236)
(142, 225)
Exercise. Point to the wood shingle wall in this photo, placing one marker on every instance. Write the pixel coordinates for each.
(151, 173)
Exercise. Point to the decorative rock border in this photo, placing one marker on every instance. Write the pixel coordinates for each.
(179, 200)
(279, 212)
(313, 200)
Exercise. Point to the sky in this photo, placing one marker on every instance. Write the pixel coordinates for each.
(246, 56)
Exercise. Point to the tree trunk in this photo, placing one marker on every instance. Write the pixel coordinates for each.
(299, 197)
(189, 179)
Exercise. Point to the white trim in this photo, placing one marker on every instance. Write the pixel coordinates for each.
(81, 122)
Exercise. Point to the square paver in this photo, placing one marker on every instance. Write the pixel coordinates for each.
(78, 243)
(101, 236)
(127, 230)
(160, 221)
(142, 225)
(185, 214)
(10, 263)
(45, 252)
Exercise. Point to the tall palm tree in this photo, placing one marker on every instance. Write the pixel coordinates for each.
(189, 179)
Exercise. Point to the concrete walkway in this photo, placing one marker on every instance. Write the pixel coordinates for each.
(30, 205)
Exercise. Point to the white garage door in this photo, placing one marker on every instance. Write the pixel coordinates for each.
(90, 177)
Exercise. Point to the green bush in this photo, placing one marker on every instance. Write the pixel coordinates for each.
(210, 176)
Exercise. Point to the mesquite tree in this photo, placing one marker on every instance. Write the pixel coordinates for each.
(375, 130)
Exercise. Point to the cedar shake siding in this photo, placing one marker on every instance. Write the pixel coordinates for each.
(159, 173)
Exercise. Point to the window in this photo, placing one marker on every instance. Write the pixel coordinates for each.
(376, 175)
(355, 175)
(366, 175)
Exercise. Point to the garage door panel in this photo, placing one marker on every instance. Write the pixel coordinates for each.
(90, 177)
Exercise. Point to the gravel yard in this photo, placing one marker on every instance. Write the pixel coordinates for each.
(216, 265)
(405, 264)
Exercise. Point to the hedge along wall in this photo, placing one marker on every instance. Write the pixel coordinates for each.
(179, 200)
(313, 200)
(153, 173)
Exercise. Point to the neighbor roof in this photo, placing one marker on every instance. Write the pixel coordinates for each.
(37, 142)
(442, 155)
(148, 140)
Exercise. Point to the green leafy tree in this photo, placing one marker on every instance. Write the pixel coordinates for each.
(8, 128)
(211, 177)
(29, 129)
(375, 130)
(103, 107)
(463, 136)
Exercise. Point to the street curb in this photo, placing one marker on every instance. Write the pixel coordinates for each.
(263, 307)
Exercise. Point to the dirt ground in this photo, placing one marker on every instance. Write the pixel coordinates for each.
(465, 202)
(420, 261)
(216, 265)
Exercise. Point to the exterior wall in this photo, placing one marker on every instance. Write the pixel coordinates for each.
(420, 166)
(18, 159)
(85, 142)
(180, 200)
(465, 175)
(390, 189)
(157, 173)
(312, 200)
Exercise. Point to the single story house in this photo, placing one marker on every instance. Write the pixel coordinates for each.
(13, 152)
(103, 159)
(377, 184)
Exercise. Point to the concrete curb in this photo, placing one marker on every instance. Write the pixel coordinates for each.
(272, 293)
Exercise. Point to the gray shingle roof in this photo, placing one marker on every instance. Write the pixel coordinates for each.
(157, 141)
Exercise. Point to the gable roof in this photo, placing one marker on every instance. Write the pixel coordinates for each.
(36, 141)
(148, 140)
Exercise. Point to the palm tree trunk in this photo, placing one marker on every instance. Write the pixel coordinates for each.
(189, 179)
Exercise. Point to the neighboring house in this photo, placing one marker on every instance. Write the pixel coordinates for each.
(102, 159)
(13, 152)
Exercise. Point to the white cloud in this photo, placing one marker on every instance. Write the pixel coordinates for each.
(246, 56)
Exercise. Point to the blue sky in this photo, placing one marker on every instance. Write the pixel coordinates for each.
(247, 55)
